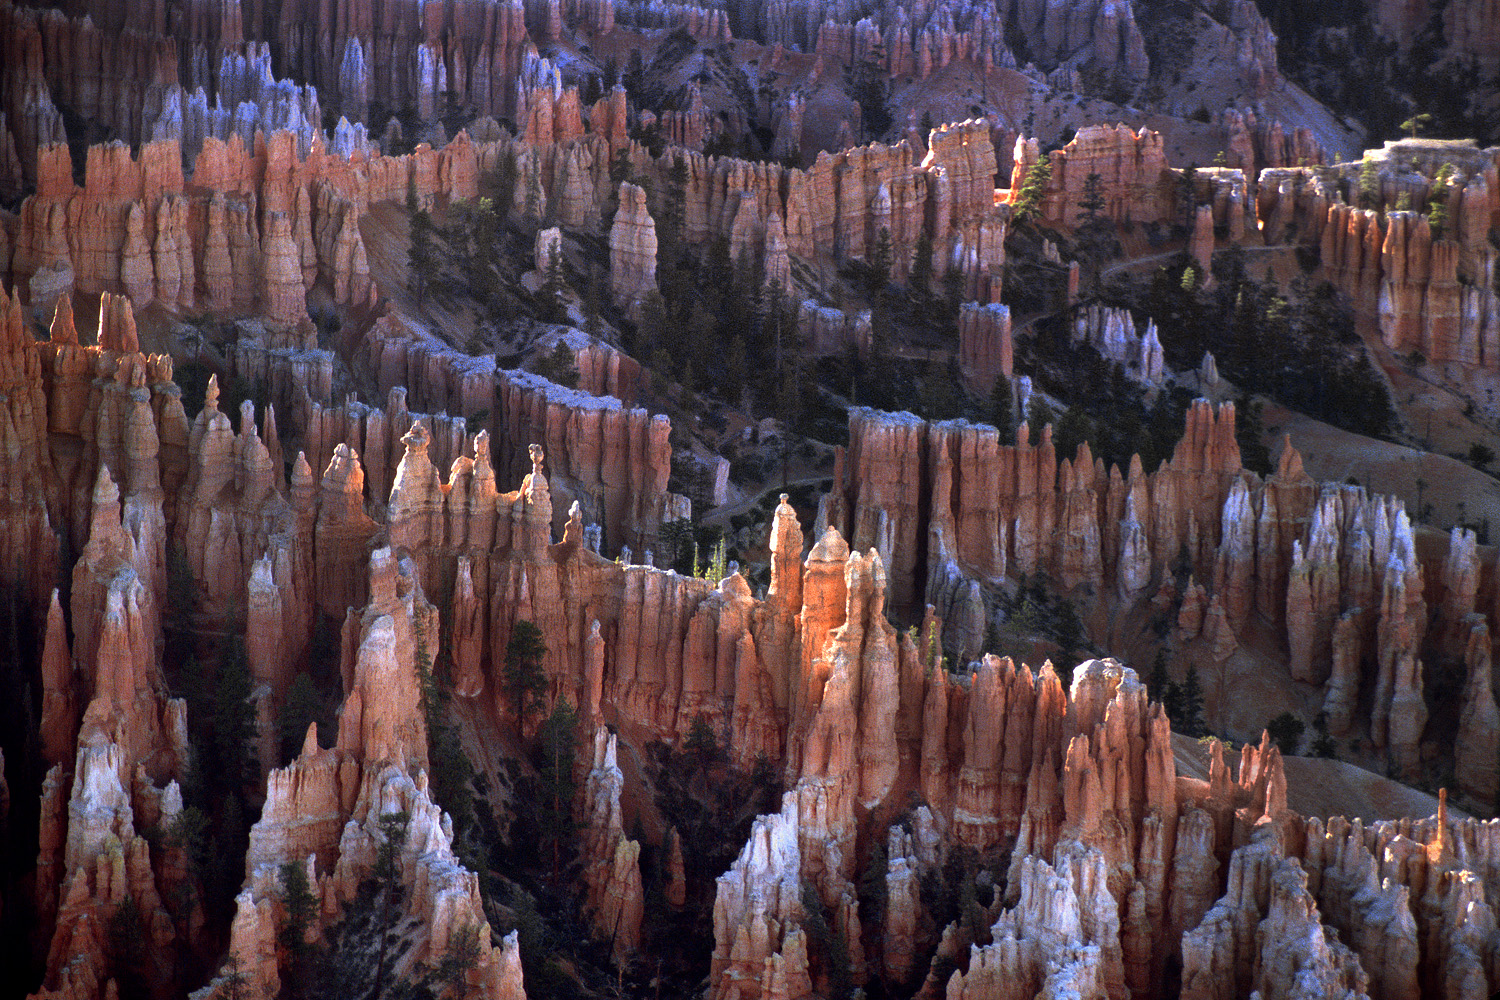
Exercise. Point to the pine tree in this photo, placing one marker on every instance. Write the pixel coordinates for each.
(953, 289)
(670, 226)
(127, 932)
(451, 971)
(830, 938)
(701, 745)
(921, 264)
(234, 718)
(420, 257)
(1191, 702)
(880, 262)
(773, 326)
(558, 738)
(532, 206)
(449, 768)
(301, 907)
(304, 706)
(736, 371)
(1029, 199)
(233, 984)
(1437, 207)
(1002, 408)
(393, 829)
(524, 681)
(1072, 429)
(558, 365)
(591, 303)
(873, 891)
(1091, 202)
(1416, 123)
(789, 396)
(1096, 231)
(1286, 732)
(1369, 182)
(651, 330)
(1156, 684)
(1187, 196)
(1038, 415)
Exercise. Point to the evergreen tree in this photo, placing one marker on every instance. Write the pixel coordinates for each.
(941, 396)
(1191, 705)
(789, 396)
(953, 289)
(234, 718)
(873, 892)
(591, 301)
(448, 765)
(1157, 683)
(1072, 429)
(420, 257)
(696, 341)
(701, 745)
(393, 829)
(128, 959)
(558, 746)
(1437, 207)
(524, 680)
(558, 365)
(880, 262)
(827, 935)
(233, 984)
(882, 346)
(1096, 230)
(774, 325)
(224, 873)
(1187, 196)
(1091, 201)
(870, 85)
(1286, 732)
(189, 833)
(1416, 123)
(921, 264)
(1323, 745)
(670, 226)
(531, 209)
(304, 706)
(1002, 409)
(1369, 182)
(1038, 415)
(1033, 187)
(301, 907)
(734, 387)
(450, 973)
(650, 332)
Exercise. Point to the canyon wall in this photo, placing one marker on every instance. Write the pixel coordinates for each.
(1413, 254)
(1112, 846)
(1338, 574)
(250, 229)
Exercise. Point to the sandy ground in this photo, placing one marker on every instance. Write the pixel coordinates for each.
(1457, 491)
